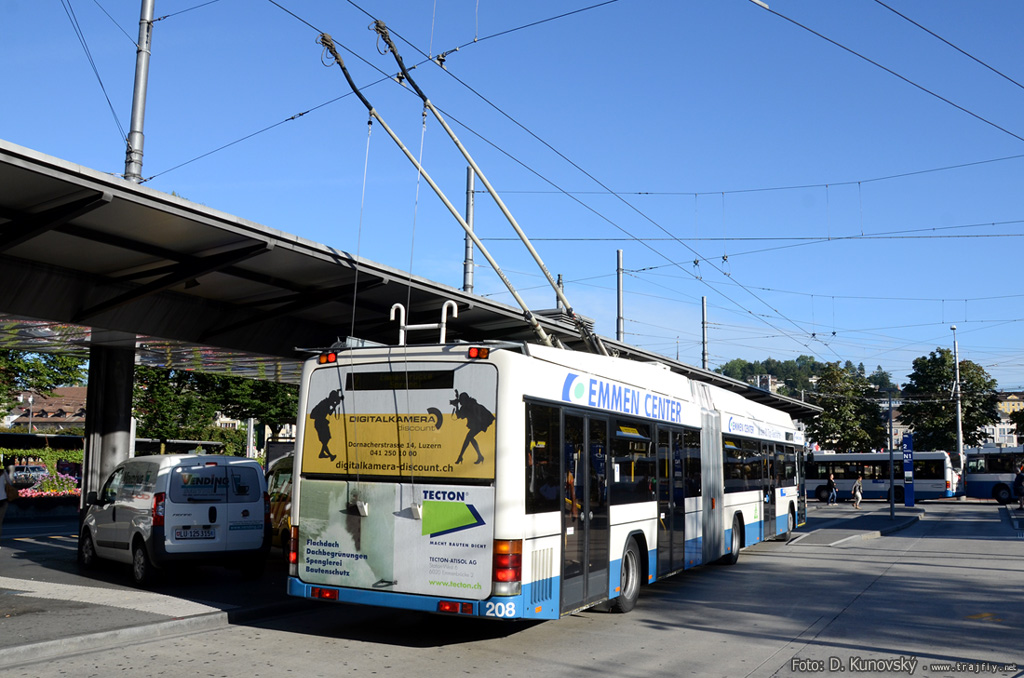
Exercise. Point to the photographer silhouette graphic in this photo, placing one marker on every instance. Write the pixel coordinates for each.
(477, 417)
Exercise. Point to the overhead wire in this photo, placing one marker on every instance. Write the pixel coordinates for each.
(593, 178)
(477, 39)
(70, 11)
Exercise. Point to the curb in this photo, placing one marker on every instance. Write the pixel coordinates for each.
(1013, 516)
(90, 642)
(881, 532)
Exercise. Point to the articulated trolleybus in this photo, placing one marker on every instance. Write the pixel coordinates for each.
(524, 482)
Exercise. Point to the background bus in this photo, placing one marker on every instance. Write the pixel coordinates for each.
(518, 481)
(936, 475)
(991, 470)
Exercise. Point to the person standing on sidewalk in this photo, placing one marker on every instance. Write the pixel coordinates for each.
(1018, 488)
(6, 488)
(832, 488)
(858, 491)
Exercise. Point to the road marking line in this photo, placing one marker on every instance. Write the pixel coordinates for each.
(28, 540)
(128, 599)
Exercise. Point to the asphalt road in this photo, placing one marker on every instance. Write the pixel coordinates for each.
(944, 590)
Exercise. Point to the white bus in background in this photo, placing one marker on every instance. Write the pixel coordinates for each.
(523, 482)
(991, 470)
(936, 475)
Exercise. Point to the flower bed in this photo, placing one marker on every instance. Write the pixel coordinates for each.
(53, 497)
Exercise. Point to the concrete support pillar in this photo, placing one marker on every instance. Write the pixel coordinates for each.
(108, 426)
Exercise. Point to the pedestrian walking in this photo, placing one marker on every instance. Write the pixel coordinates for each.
(7, 492)
(1018, 488)
(858, 491)
(832, 489)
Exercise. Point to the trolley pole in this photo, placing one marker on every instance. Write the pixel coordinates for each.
(467, 267)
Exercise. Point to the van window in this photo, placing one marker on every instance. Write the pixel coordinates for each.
(202, 484)
(245, 484)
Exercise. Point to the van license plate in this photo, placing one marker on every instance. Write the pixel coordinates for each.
(194, 534)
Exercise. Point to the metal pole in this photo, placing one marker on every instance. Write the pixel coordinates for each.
(890, 417)
(467, 267)
(133, 155)
(956, 390)
(558, 299)
(704, 332)
(619, 329)
(892, 483)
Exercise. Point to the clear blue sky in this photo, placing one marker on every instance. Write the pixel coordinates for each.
(836, 209)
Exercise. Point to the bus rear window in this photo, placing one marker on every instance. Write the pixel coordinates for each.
(398, 381)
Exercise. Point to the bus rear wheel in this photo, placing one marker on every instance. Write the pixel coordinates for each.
(822, 494)
(1002, 494)
(629, 579)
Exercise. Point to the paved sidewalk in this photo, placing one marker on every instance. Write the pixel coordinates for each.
(833, 525)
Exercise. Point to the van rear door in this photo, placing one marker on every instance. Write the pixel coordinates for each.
(245, 516)
(197, 507)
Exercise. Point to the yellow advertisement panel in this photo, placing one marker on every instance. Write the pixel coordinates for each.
(434, 423)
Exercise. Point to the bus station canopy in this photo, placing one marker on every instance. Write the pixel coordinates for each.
(87, 258)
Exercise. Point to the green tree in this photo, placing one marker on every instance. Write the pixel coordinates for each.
(1017, 419)
(174, 404)
(268, 402)
(881, 379)
(929, 407)
(794, 375)
(850, 419)
(36, 372)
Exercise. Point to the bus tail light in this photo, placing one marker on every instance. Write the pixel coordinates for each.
(328, 357)
(479, 352)
(323, 593)
(293, 552)
(949, 486)
(159, 500)
(508, 567)
(454, 607)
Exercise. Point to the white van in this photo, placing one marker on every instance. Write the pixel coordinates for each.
(153, 511)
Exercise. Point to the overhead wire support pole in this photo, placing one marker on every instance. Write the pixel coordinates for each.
(591, 339)
(328, 44)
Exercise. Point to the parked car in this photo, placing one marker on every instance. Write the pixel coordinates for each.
(28, 474)
(279, 485)
(154, 512)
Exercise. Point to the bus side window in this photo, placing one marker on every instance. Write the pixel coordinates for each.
(543, 440)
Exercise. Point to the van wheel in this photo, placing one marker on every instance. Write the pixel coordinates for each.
(142, 568)
(629, 581)
(86, 551)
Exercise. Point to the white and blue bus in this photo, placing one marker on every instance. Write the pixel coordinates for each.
(524, 482)
(991, 470)
(937, 474)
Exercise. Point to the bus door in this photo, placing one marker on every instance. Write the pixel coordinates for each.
(671, 502)
(769, 482)
(713, 516)
(585, 530)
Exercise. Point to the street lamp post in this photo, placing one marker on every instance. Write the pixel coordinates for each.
(31, 399)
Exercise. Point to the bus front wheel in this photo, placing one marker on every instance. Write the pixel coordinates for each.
(629, 580)
(736, 542)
